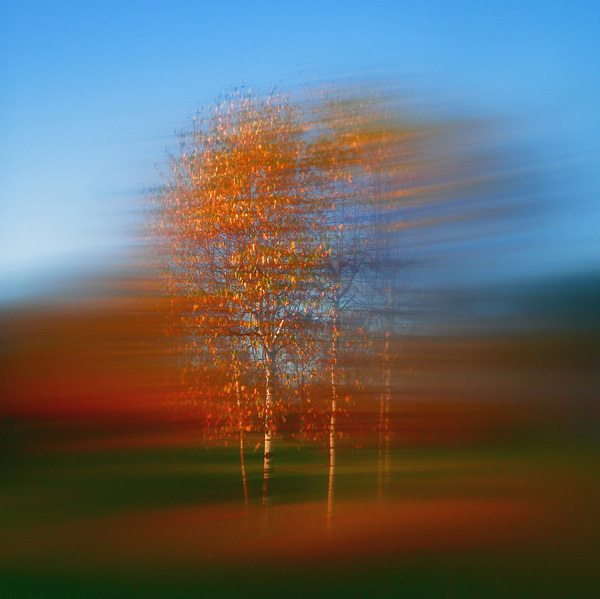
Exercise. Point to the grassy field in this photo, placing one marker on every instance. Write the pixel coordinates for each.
(158, 519)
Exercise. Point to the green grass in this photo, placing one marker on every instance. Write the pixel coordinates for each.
(54, 487)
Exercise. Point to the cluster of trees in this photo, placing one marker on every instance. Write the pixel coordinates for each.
(279, 230)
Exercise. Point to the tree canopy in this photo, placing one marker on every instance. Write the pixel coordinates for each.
(270, 224)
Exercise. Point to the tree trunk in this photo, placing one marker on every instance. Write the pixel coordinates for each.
(384, 410)
(380, 444)
(241, 431)
(269, 372)
(384, 421)
(332, 423)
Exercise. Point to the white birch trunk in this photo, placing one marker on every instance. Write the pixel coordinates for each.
(268, 429)
(384, 412)
(384, 423)
(380, 445)
(241, 431)
(387, 394)
(332, 425)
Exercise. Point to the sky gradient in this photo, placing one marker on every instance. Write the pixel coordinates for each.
(91, 94)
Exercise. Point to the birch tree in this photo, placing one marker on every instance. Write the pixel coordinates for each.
(362, 152)
(339, 154)
(238, 223)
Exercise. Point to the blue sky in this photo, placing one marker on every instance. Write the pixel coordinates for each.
(91, 93)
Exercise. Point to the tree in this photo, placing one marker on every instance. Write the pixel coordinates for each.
(338, 151)
(237, 224)
(363, 153)
(276, 225)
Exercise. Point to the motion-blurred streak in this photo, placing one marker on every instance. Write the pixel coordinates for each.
(99, 353)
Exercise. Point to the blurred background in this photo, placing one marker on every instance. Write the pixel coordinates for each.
(109, 473)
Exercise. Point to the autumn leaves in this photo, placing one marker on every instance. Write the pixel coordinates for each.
(270, 227)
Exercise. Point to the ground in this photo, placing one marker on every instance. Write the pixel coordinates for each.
(155, 517)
